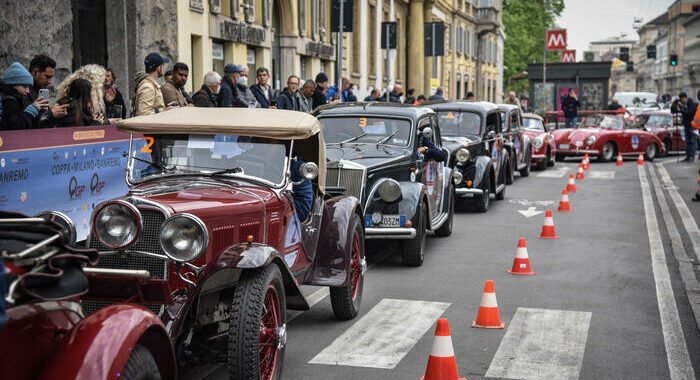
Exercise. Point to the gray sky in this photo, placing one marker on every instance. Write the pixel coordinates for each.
(590, 20)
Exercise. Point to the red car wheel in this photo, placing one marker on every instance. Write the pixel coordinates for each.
(270, 323)
(346, 300)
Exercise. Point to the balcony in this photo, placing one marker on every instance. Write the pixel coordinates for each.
(487, 18)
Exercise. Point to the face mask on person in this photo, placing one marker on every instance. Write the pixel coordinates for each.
(218, 88)
(242, 81)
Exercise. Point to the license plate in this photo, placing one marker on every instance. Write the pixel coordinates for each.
(579, 143)
(564, 146)
(391, 221)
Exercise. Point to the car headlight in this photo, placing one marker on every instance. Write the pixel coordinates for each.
(457, 177)
(590, 140)
(537, 142)
(462, 155)
(389, 190)
(183, 237)
(117, 224)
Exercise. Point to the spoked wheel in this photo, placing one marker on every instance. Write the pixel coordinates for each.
(346, 300)
(257, 333)
(652, 151)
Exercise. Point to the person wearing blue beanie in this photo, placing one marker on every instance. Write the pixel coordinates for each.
(17, 110)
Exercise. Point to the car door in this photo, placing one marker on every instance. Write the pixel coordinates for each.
(439, 167)
(428, 170)
(493, 143)
(516, 133)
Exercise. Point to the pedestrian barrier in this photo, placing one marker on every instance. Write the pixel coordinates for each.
(521, 263)
(564, 201)
(548, 227)
(619, 162)
(441, 362)
(488, 317)
(640, 160)
(579, 173)
(571, 186)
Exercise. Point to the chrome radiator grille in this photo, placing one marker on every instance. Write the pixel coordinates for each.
(148, 242)
(350, 179)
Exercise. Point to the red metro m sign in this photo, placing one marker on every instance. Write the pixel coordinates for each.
(568, 56)
(556, 39)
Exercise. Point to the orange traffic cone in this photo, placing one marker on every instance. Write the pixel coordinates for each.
(564, 202)
(586, 162)
(441, 363)
(640, 160)
(571, 186)
(488, 317)
(521, 263)
(579, 173)
(619, 160)
(548, 227)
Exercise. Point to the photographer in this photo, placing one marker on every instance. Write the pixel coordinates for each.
(688, 108)
(114, 101)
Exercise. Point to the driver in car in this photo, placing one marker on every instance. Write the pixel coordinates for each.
(427, 147)
(303, 193)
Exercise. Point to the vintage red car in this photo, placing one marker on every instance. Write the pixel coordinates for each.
(46, 334)
(604, 134)
(662, 126)
(544, 148)
(215, 218)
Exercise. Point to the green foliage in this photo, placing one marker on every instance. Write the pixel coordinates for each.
(525, 22)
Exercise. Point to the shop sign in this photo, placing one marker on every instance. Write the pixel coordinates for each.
(242, 32)
(319, 49)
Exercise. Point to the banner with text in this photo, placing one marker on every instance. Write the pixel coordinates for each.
(70, 170)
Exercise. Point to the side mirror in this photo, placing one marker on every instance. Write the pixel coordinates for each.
(308, 170)
(490, 135)
(427, 132)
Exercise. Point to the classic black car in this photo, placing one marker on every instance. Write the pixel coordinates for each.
(516, 142)
(373, 154)
(471, 131)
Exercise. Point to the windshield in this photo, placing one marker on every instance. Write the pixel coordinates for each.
(456, 123)
(627, 99)
(373, 130)
(659, 120)
(228, 155)
(535, 124)
(603, 121)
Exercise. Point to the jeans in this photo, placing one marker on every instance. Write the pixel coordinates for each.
(570, 122)
(691, 142)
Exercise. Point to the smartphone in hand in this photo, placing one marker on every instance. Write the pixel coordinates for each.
(44, 93)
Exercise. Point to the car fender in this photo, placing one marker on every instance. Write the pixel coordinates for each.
(332, 262)
(446, 193)
(482, 165)
(99, 347)
(655, 139)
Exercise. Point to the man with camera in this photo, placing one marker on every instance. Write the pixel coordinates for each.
(688, 108)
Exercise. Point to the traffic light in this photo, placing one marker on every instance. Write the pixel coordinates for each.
(624, 54)
(673, 60)
(630, 66)
(651, 51)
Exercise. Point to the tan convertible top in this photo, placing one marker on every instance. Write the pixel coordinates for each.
(257, 122)
(533, 116)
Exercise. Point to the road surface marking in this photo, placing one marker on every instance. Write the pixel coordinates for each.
(382, 337)
(601, 174)
(542, 344)
(557, 173)
(525, 202)
(685, 263)
(688, 220)
(530, 212)
(676, 350)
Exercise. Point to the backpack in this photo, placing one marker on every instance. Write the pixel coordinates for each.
(140, 76)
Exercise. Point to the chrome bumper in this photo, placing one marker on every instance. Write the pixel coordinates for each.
(578, 151)
(466, 192)
(390, 233)
(539, 156)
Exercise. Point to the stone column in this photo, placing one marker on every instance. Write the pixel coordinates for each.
(416, 62)
(428, 72)
(288, 58)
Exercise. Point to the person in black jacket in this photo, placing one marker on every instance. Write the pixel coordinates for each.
(262, 90)
(427, 147)
(410, 96)
(229, 96)
(80, 111)
(687, 108)
(42, 68)
(570, 105)
(113, 97)
(319, 96)
(18, 112)
(288, 99)
(207, 95)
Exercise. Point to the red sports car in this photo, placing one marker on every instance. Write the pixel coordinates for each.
(661, 125)
(544, 147)
(604, 135)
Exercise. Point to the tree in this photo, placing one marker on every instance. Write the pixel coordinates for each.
(525, 23)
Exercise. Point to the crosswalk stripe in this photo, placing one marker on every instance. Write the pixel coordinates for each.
(382, 337)
(558, 173)
(599, 174)
(542, 344)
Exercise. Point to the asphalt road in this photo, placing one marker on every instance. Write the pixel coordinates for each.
(611, 298)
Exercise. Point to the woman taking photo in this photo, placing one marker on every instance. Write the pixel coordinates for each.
(80, 110)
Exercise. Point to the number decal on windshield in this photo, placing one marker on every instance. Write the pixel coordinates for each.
(363, 122)
(147, 147)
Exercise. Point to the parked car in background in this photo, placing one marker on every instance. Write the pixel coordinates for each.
(544, 148)
(222, 242)
(517, 142)
(471, 131)
(661, 125)
(373, 155)
(604, 134)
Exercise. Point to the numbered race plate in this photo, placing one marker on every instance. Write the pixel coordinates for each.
(564, 146)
